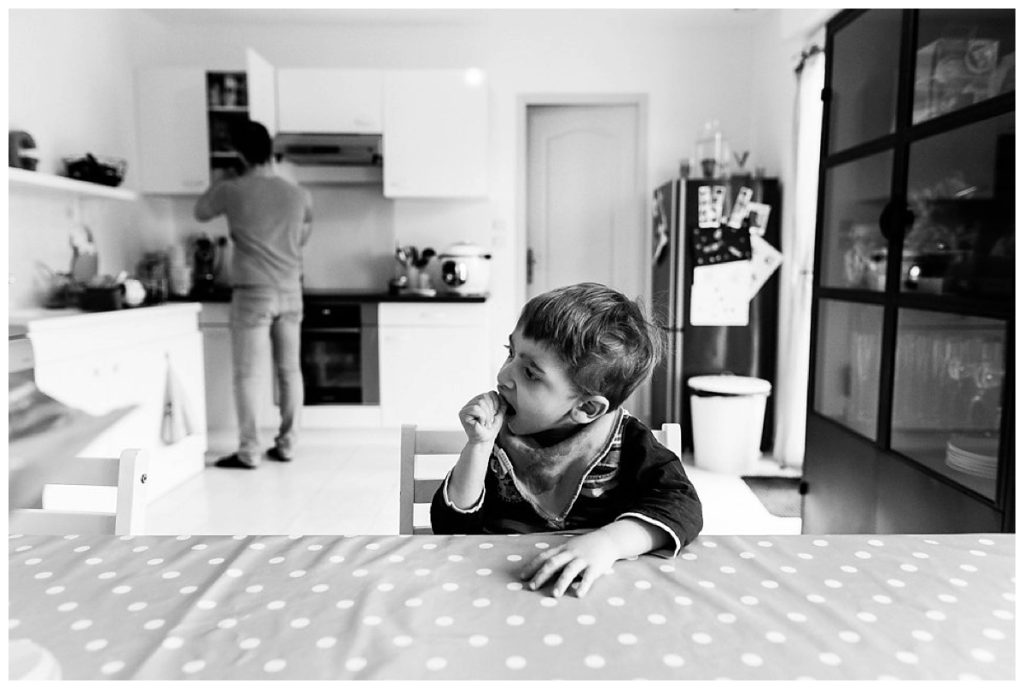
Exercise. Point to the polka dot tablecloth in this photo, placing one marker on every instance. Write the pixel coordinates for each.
(453, 607)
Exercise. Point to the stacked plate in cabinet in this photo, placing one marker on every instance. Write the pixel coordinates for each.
(973, 454)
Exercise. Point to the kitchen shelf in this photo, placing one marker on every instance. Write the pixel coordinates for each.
(43, 180)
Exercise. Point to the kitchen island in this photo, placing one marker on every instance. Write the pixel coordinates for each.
(146, 360)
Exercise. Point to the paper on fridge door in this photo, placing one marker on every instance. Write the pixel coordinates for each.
(765, 260)
(720, 294)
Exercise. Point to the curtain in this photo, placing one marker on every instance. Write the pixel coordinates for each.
(796, 269)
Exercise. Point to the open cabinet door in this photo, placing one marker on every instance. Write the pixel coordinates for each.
(262, 90)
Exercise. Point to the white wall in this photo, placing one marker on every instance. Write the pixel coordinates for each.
(72, 76)
(70, 88)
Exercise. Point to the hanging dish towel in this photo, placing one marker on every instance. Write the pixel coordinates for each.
(179, 417)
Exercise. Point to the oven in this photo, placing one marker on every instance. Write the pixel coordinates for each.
(339, 351)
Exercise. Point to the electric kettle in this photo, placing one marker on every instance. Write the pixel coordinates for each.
(465, 269)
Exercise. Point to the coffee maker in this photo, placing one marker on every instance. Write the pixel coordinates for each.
(208, 269)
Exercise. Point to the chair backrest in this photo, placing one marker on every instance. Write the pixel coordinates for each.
(428, 456)
(127, 473)
(671, 436)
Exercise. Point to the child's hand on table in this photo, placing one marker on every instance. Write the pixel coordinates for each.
(586, 557)
(482, 417)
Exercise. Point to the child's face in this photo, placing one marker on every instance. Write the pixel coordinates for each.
(535, 384)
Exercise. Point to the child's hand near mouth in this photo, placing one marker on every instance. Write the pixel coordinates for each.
(482, 417)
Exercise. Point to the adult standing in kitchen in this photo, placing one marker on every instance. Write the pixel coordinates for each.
(269, 220)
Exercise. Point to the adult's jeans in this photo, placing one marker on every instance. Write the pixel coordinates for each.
(265, 328)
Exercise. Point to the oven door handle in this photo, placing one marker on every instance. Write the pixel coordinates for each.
(344, 331)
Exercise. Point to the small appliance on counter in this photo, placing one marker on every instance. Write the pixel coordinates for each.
(464, 269)
(208, 270)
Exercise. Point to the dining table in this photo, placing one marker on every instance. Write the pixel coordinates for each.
(353, 607)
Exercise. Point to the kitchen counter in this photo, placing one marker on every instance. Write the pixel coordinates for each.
(358, 295)
(42, 318)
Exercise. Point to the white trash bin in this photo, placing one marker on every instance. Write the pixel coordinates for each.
(728, 418)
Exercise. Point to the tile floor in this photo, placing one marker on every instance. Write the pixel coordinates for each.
(346, 482)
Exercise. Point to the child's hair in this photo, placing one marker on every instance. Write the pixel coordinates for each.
(607, 344)
(252, 140)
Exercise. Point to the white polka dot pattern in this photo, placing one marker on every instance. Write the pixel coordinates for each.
(453, 608)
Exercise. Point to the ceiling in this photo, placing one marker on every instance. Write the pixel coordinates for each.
(406, 17)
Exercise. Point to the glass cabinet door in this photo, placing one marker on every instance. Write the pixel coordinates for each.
(960, 189)
(963, 57)
(849, 350)
(948, 394)
(853, 248)
(864, 79)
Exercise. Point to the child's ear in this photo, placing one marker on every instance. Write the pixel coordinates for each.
(590, 409)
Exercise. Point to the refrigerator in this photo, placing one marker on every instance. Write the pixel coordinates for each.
(747, 350)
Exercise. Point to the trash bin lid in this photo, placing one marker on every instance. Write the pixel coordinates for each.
(730, 385)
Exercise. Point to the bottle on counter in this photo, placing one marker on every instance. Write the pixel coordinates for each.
(180, 272)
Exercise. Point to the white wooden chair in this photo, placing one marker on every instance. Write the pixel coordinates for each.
(428, 456)
(127, 473)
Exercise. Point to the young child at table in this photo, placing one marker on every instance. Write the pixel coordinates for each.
(552, 448)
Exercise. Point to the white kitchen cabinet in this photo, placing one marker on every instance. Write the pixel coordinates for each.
(99, 363)
(172, 129)
(433, 359)
(261, 82)
(330, 101)
(184, 116)
(221, 419)
(435, 134)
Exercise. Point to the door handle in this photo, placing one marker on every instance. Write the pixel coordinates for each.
(894, 218)
(530, 261)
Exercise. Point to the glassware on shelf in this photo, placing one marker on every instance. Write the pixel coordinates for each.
(712, 151)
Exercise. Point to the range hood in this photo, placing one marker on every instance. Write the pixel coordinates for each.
(316, 158)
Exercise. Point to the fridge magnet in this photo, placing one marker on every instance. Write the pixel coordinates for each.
(660, 226)
(718, 199)
(706, 216)
(720, 294)
(757, 217)
(765, 260)
(722, 244)
(739, 209)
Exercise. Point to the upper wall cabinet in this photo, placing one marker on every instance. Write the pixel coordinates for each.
(173, 137)
(185, 119)
(435, 134)
(329, 101)
(433, 122)
(262, 86)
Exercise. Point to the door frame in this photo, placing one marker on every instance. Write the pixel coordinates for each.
(520, 236)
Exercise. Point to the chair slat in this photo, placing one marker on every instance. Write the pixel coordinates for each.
(439, 442)
(49, 522)
(87, 471)
(425, 489)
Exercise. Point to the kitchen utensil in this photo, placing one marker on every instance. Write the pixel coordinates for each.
(464, 269)
(84, 257)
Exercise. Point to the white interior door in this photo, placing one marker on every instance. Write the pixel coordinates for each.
(584, 204)
(585, 201)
